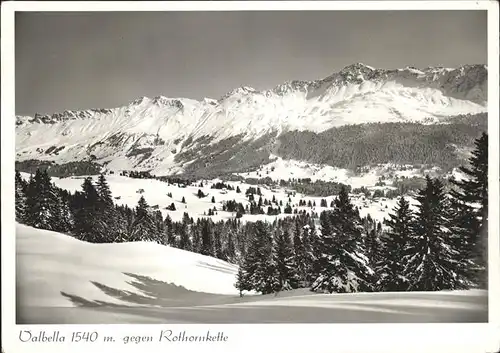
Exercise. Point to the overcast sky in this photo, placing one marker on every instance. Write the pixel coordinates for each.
(103, 60)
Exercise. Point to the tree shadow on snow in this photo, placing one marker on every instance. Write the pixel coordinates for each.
(175, 304)
(223, 269)
(150, 292)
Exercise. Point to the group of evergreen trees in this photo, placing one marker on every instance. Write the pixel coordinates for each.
(441, 245)
(279, 256)
(91, 215)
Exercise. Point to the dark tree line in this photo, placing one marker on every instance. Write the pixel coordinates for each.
(220, 186)
(59, 170)
(137, 174)
(316, 188)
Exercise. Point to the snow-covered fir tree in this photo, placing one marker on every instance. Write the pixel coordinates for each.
(304, 256)
(43, 202)
(432, 262)
(242, 283)
(230, 246)
(160, 227)
(470, 218)
(372, 231)
(390, 268)
(372, 247)
(207, 246)
(342, 264)
(259, 266)
(143, 228)
(169, 231)
(284, 255)
(217, 241)
(20, 198)
(185, 242)
(108, 223)
(196, 237)
(87, 213)
(66, 217)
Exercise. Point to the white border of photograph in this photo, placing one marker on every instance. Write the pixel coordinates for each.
(287, 338)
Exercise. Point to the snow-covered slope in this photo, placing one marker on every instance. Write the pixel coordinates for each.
(60, 280)
(149, 133)
(49, 263)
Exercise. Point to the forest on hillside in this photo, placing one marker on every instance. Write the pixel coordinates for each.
(353, 146)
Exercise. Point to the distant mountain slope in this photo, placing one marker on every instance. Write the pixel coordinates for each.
(167, 135)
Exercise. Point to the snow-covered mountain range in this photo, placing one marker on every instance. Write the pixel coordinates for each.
(166, 135)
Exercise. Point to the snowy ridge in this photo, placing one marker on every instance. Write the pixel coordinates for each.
(148, 133)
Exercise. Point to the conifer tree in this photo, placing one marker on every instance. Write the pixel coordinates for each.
(259, 265)
(169, 232)
(20, 198)
(298, 248)
(104, 191)
(126, 216)
(217, 249)
(391, 266)
(143, 228)
(431, 259)
(230, 250)
(159, 227)
(107, 223)
(66, 219)
(207, 246)
(470, 219)
(185, 233)
(303, 253)
(316, 248)
(196, 237)
(372, 247)
(342, 265)
(285, 261)
(87, 212)
(242, 280)
(42, 203)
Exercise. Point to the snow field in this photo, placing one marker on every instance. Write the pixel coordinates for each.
(49, 263)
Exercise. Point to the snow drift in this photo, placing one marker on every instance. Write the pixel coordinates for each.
(49, 263)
